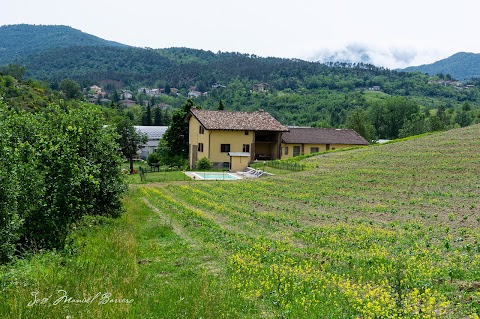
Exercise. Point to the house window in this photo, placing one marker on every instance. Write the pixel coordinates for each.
(246, 148)
(201, 130)
(286, 150)
(246, 132)
(313, 150)
(200, 147)
(224, 148)
(296, 150)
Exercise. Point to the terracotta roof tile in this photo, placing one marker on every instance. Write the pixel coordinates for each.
(311, 135)
(239, 121)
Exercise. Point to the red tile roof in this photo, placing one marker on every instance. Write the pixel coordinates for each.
(311, 135)
(238, 121)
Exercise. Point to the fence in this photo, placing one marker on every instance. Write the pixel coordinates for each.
(161, 173)
(286, 165)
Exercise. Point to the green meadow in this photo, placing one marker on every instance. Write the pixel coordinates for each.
(386, 231)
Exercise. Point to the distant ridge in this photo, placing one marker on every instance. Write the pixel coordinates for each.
(461, 66)
(21, 40)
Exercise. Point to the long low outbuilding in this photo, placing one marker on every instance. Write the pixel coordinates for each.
(308, 140)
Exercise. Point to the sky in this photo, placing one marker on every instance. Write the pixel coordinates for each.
(389, 33)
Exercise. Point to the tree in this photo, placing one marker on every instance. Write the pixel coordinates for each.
(14, 70)
(130, 140)
(398, 110)
(434, 123)
(71, 89)
(462, 119)
(357, 121)
(442, 116)
(466, 107)
(176, 136)
(115, 97)
(221, 107)
(157, 117)
(415, 125)
(147, 117)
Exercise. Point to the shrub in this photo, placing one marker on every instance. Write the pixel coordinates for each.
(153, 158)
(204, 164)
(56, 166)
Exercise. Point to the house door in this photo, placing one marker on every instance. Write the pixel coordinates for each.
(194, 156)
(296, 150)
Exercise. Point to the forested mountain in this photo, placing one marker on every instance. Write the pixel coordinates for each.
(392, 103)
(461, 66)
(21, 40)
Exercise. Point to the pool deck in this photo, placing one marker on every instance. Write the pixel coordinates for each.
(198, 176)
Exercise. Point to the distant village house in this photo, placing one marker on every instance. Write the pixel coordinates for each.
(260, 87)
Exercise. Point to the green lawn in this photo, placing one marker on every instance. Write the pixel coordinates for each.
(158, 177)
(388, 231)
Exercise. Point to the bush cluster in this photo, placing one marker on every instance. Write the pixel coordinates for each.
(204, 164)
(56, 166)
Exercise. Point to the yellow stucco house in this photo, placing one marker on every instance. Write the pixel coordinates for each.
(307, 140)
(231, 140)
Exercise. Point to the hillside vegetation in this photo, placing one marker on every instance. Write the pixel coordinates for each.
(386, 231)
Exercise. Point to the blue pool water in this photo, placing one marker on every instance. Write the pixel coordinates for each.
(214, 176)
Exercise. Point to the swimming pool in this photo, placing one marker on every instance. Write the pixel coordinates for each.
(212, 176)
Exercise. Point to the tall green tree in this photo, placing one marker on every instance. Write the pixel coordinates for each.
(398, 110)
(147, 116)
(158, 117)
(376, 116)
(167, 89)
(221, 107)
(441, 114)
(115, 97)
(176, 136)
(129, 140)
(357, 121)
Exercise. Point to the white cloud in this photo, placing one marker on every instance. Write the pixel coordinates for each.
(386, 33)
(390, 57)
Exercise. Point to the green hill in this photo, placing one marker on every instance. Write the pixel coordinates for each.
(379, 232)
(298, 92)
(21, 40)
(461, 66)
